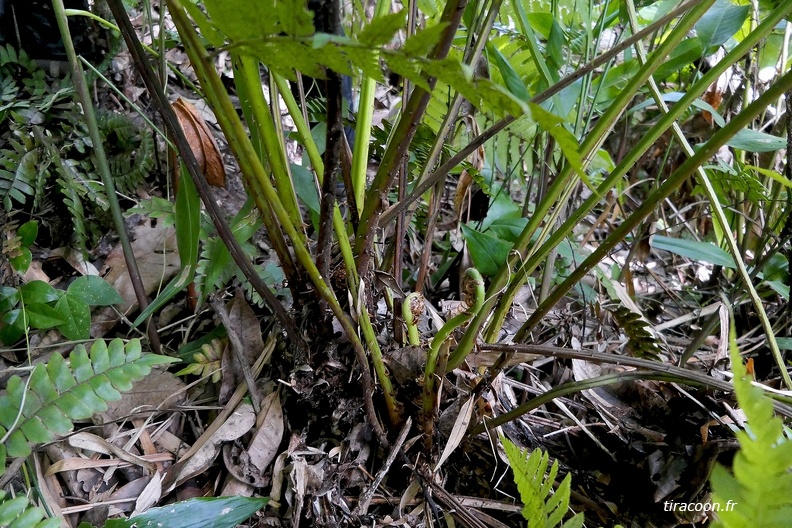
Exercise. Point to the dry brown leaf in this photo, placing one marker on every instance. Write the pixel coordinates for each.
(238, 423)
(157, 256)
(246, 326)
(457, 431)
(159, 390)
(248, 465)
(202, 143)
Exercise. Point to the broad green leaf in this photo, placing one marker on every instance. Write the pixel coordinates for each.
(95, 291)
(508, 229)
(688, 51)
(720, 22)
(488, 252)
(34, 431)
(12, 508)
(295, 20)
(12, 326)
(43, 316)
(28, 232)
(510, 77)
(755, 141)
(692, 249)
(100, 357)
(188, 220)
(305, 188)
(212, 512)
(21, 261)
(9, 297)
(38, 291)
(77, 315)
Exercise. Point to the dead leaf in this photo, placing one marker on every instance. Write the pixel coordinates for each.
(247, 328)
(238, 423)
(157, 256)
(458, 431)
(159, 390)
(249, 465)
(202, 143)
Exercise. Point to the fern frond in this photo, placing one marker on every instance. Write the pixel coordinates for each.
(60, 392)
(72, 200)
(540, 509)
(17, 173)
(18, 512)
(758, 492)
(130, 152)
(641, 342)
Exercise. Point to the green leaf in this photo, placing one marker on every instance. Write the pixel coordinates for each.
(213, 512)
(60, 392)
(424, 41)
(755, 141)
(243, 19)
(720, 22)
(305, 187)
(77, 315)
(21, 262)
(94, 291)
(295, 20)
(488, 252)
(12, 326)
(382, 30)
(43, 316)
(28, 232)
(510, 77)
(188, 220)
(692, 249)
(9, 297)
(208, 31)
(508, 229)
(38, 291)
(758, 492)
(176, 285)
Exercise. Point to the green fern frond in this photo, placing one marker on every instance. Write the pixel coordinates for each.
(758, 494)
(35, 410)
(17, 173)
(130, 152)
(19, 513)
(72, 200)
(540, 509)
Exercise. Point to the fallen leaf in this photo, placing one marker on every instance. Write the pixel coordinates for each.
(202, 143)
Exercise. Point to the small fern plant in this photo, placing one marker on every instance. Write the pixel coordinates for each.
(46, 404)
(758, 494)
(535, 483)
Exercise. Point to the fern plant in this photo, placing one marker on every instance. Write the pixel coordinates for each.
(758, 492)
(35, 410)
(540, 509)
(45, 144)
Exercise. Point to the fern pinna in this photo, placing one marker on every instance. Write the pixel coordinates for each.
(540, 509)
(35, 410)
(758, 494)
